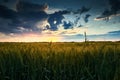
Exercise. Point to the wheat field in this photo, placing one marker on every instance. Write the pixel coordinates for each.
(60, 61)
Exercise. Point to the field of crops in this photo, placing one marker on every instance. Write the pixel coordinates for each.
(60, 61)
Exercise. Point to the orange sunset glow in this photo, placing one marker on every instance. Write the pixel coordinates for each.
(32, 38)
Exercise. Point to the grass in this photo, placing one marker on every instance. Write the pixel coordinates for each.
(60, 61)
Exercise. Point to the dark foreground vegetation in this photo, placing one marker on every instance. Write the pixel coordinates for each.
(60, 61)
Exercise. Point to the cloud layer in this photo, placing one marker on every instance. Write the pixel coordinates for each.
(29, 17)
(113, 11)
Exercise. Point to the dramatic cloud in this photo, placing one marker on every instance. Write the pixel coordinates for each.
(12, 20)
(7, 13)
(79, 13)
(7, 17)
(63, 18)
(33, 17)
(82, 10)
(30, 16)
(86, 17)
(29, 19)
(22, 6)
(4, 26)
(56, 18)
(68, 25)
(5, 1)
(114, 8)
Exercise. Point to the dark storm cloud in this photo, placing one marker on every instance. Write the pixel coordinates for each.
(114, 8)
(7, 13)
(28, 14)
(105, 15)
(25, 19)
(29, 19)
(7, 17)
(22, 6)
(80, 13)
(68, 25)
(4, 25)
(5, 1)
(86, 18)
(82, 10)
(56, 18)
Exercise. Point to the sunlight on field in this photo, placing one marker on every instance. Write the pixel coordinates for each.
(60, 61)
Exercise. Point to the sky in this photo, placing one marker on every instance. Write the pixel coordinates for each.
(59, 20)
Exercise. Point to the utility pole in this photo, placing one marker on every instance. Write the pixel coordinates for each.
(85, 36)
